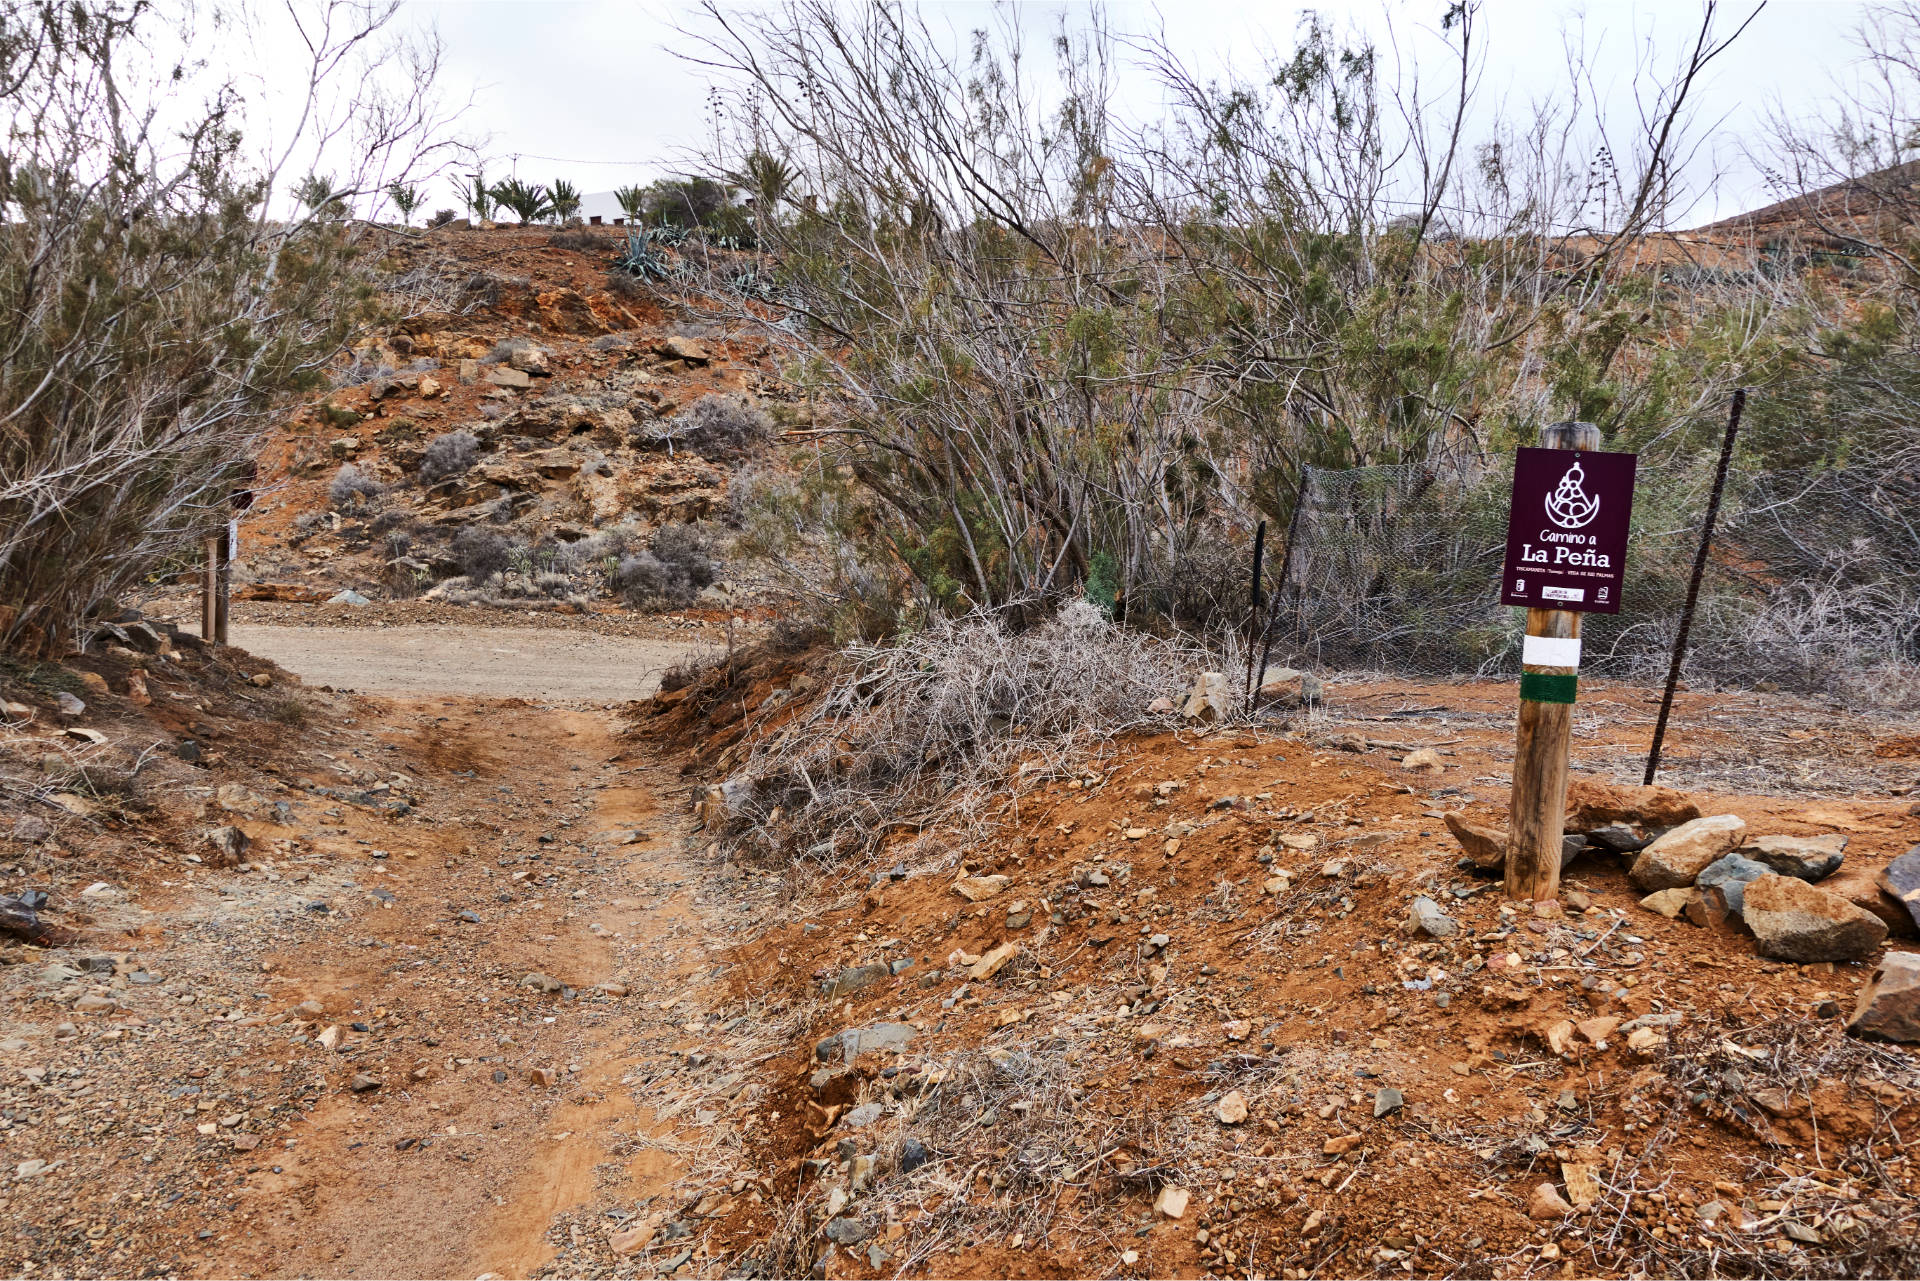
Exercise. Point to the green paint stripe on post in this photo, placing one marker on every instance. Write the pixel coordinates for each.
(1545, 687)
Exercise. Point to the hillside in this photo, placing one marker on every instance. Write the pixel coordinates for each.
(513, 438)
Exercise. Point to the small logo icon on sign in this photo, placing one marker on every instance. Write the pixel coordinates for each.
(1564, 593)
(1570, 506)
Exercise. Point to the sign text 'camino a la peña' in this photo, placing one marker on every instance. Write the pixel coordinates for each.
(1567, 530)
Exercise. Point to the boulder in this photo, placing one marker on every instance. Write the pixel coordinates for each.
(1592, 803)
(1423, 760)
(529, 360)
(1889, 1005)
(1619, 838)
(1729, 877)
(1901, 879)
(1864, 891)
(1670, 903)
(691, 350)
(1547, 1203)
(1486, 846)
(1287, 687)
(228, 845)
(1682, 854)
(1795, 921)
(502, 376)
(1810, 858)
(975, 888)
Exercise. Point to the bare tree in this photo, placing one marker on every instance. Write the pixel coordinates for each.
(1052, 340)
(152, 313)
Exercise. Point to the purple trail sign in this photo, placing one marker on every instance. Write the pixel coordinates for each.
(1567, 530)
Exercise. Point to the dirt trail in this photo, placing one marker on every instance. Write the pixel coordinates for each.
(526, 963)
(480, 661)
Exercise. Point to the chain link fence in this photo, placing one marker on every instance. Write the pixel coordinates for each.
(1813, 584)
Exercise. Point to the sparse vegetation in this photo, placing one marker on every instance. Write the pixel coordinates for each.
(351, 487)
(448, 455)
(670, 572)
(721, 427)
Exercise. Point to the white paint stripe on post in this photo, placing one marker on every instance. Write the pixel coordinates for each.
(1551, 651)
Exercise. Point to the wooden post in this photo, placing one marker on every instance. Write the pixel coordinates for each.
(210, 590)
(1537, 812)
(223, 583)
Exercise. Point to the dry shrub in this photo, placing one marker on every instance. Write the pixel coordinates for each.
(451, 454)
(716, 427)
(352, 487)
(920, 735)
(673, 569)
(481, 553)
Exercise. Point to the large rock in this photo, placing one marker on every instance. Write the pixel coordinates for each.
(1591, 804)
(1795, 921)
(1486, 846)
(1864, 891)
(1889, 1005)
(1208, 700)
(226, 846)
(1729, 877)
(1901, 879)
(1288, 687)
(1810, 858)
(1682, 854)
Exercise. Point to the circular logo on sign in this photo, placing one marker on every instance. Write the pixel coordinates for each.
(1570, 506)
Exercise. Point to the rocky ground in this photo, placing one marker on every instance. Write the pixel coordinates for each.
(447, 985)
(445, 982)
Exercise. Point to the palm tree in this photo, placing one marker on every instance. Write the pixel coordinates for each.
(316, 192)
(406, 199)
(479, 196)
(566, 199)
(765, 177)
(633, 201)
(528, 200)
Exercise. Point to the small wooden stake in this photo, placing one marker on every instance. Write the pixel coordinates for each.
(223, 583)
(1537, 813)
(210, 590)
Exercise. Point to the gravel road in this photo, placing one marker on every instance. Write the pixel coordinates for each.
(481, 661)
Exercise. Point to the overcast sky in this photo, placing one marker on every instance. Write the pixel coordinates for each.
(591, 90)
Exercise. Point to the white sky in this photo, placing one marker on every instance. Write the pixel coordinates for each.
(590, 90)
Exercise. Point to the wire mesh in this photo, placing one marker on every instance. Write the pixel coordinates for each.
(1813, 582)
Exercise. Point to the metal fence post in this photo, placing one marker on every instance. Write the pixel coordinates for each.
(1693, 584)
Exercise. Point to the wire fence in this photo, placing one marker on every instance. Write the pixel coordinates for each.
(1813, 584)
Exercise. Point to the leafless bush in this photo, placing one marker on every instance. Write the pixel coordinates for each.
(359, 371)
(155, 315)
(920, 736)
(675, 566)
(451, 454)
(482, 553)
(718, 427)
(581, 239)
(352, 487)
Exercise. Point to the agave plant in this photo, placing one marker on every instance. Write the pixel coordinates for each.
(529, 201)
(633, 201)
(566, 199)
(644, 256)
